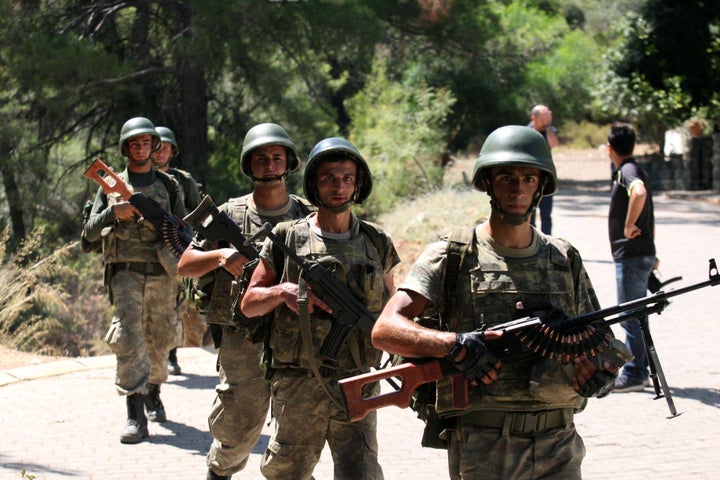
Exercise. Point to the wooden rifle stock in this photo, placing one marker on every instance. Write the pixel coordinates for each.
(412, 375)
(110, 181)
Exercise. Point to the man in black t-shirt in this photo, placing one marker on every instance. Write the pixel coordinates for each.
(631, 225)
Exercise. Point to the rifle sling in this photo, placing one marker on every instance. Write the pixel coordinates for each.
(306, 337)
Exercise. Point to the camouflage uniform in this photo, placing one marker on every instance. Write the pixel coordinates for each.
(305, 414)
(520, 426)
(243, 394)
(191, 329)
(144, 323)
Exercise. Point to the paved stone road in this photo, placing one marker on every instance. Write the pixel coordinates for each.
(62, 420)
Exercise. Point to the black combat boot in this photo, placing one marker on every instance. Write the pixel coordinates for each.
(136, 427)
(153, 404)
(173, 365)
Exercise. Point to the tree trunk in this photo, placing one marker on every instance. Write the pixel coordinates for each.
(12, 193)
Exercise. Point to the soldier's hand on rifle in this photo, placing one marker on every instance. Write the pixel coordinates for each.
(591, 382)
(125, 211)
(289, 294)
(232, 261)
(471, 356)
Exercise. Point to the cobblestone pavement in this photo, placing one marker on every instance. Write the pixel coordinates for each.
(62, 420)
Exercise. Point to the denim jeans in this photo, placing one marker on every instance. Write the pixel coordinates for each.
(545, 206)
(631, 276)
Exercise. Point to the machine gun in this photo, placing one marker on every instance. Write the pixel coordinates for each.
(557, 337)
(348, 311)
(217, 226)
(175, 233)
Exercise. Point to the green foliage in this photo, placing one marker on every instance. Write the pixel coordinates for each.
(399, 130)
(42, 300)
(583, 134)
(663, 69)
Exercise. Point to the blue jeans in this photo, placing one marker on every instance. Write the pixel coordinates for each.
(545, 206)
(631, 275)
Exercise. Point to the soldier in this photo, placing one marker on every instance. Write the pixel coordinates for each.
(192, 327)
(143, 328)
(520, 420)
(307, 408)
(243, 394)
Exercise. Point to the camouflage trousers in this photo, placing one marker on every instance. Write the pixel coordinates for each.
(305, 418)
(241, 405)
(143, 329)
(478, 453)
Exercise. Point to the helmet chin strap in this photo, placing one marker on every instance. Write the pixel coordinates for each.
(270, 179)
(340, 208)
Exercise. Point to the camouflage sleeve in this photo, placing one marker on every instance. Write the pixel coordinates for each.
(426, 275)
(267, 254)
(100, 217)
(585, 297)
(392, 258)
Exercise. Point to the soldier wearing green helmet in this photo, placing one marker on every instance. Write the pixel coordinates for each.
(243, 395)
(304, 383)
(191, 328)
(143, 328)
(519, 423)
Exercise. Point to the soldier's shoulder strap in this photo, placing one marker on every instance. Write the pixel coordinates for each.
(376, 236)
(305, 206)
(459, 243)
(170, 184)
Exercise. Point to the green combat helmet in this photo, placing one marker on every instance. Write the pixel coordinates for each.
(138, 126)
(337, 148)
(516, 145)
(167, 136)
(268, 134)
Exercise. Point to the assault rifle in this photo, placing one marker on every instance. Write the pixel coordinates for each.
(217, 226)
(557, 337)
(174, 231)
(348, 311)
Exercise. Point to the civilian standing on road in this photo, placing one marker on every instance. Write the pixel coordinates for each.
(541, 121)
(631, 227)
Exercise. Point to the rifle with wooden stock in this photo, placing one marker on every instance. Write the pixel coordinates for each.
(557, 337)
(175, 232)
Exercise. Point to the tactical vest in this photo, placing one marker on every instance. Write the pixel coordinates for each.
(358, 265)
(223, 291)
(136, 241)
(493, 285)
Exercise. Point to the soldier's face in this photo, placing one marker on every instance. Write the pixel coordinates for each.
(140, 148)
(336, 182)
(268, 161)
(514, 187)
(161, 158)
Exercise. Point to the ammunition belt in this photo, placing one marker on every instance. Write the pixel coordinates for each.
(144, 268)
(521, 423)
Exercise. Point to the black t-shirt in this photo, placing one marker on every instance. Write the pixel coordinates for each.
(622, 247)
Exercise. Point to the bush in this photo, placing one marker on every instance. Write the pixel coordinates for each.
(48, 305)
